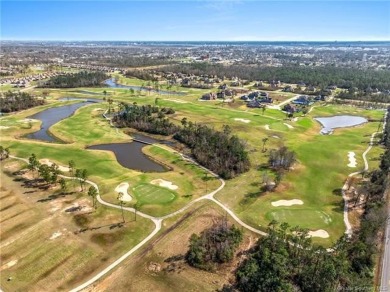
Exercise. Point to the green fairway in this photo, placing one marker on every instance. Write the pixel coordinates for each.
(316, 178)
(150, 194)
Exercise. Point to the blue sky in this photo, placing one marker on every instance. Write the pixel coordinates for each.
(195, 20)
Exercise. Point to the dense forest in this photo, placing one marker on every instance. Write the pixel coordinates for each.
(318, 76)
(80, 79)
(287, 260)
(138, 61)
(363, 95)
(220, 152)
(213, 246)
(16, 101)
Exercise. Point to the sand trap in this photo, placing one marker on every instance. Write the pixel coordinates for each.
(176, 100)
(55, 235)
(98, 109)
(49, 163)
(287, 203)
(267, 127)
(319, 233)
(122, 188)
(352, 159)
(295, 119)
(4, 127)
(288, 126)
(9, 264)
(242, 120)
(164, 183)
(28, 121)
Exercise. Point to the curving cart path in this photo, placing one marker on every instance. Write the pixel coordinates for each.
(210, 196)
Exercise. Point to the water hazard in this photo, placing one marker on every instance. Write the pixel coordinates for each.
(331, 123)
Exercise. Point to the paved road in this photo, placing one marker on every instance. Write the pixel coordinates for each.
(385, 278)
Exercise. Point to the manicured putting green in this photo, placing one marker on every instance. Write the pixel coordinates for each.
(150, 194)
(302, 218)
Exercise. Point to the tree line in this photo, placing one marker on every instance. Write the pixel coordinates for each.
(80, 79)
(218, 151)
(16, 101)
(318, 76)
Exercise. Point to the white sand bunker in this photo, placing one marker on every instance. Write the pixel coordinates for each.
(122, 188)
(288, 126)
(49, 163)
(352, 159)
(176, 100)
(8, 265)
(164, 183)
(98, 109)
(28, 121)
(4, 127)
(242, 120)
(55, 235)
(267, 127)
(287, 203)
(319, 233)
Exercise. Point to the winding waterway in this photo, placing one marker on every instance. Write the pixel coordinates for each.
(50, 117)
(128, 155)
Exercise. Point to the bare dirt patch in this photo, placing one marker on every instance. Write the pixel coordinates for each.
(50, 163)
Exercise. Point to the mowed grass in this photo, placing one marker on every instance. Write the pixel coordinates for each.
(316, 178)
(42, 248)
(150, 194)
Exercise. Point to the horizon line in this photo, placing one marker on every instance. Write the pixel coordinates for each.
(233, 41)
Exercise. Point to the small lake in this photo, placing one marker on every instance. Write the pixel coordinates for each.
(52, 116)
(130, 154)
(331, 123)
(113, 84)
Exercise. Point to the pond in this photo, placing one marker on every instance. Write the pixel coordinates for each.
(331, 123)
(52, 116)
(113, 84)
(130, 154)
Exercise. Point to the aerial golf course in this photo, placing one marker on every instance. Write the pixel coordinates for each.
(63, 232)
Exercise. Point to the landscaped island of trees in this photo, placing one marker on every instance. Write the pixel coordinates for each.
(219, 151)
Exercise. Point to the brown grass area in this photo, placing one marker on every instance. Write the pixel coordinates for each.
(160, 265)
(30, 216)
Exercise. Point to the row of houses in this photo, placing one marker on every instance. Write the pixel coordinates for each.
(26, 80)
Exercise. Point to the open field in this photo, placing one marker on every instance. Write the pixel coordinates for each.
(151, 268)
